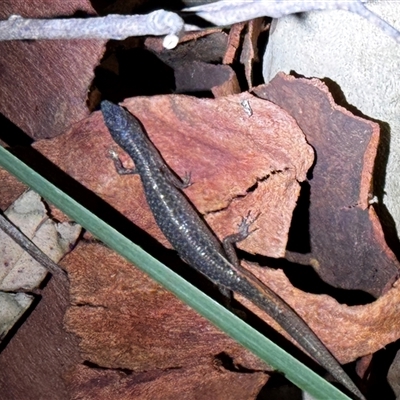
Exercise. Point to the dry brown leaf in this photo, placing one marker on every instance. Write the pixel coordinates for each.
(348, 332)
(347, 247)
(127, 322)
(44, 84)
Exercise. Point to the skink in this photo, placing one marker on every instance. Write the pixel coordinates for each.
(197, 245)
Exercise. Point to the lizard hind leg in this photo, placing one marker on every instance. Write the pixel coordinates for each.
(180, 183)
(229, 248)
(242, 233)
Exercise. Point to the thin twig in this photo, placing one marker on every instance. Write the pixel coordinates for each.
(29, 246)
(227, 12)
(117, 27)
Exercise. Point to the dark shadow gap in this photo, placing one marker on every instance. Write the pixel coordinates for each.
(93, 365)
(128, 70)
(304, 277)
(12, 135)
(225, 361)
(376, 381)
(262, 42)
(299, 240)
(104, 7)
(279, 388)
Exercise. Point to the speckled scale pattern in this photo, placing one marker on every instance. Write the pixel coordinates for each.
(227, 12)
(172, 212)
(197, 245)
